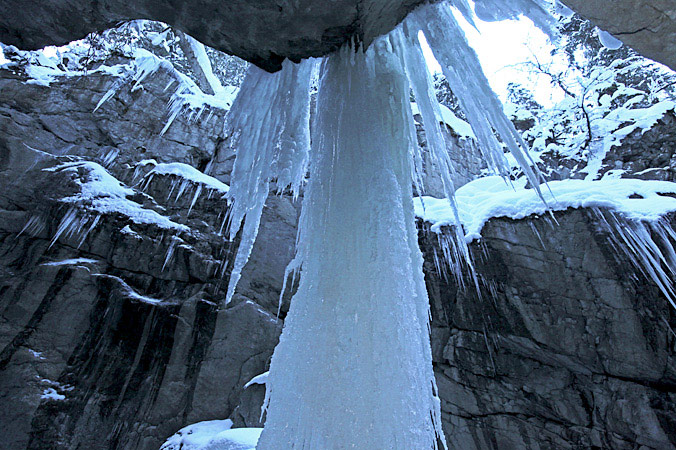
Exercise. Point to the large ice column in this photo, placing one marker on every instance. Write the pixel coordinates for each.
(353, 367)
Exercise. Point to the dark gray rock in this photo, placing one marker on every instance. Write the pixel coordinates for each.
(647, 26)
(567, 347)
(264, 33)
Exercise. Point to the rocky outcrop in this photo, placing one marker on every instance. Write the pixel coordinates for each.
(647, 26)
(115, 336)
(270, 31)
(649, 155)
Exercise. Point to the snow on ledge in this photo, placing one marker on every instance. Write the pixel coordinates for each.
(101, 193)
(459, 126)
(70, 262)
(189, 173)
(491, 197)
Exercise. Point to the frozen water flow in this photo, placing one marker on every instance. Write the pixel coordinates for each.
(333, 383)
(539, 11)
(268, 130)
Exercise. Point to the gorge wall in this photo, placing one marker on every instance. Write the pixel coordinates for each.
(116, 338)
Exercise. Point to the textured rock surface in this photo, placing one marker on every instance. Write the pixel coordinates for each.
(566, 348)
(113, 350)
(650, 155)
(647, 26)
(267, 32)
(262, 32)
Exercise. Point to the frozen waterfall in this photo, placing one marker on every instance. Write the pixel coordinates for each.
(353, 368)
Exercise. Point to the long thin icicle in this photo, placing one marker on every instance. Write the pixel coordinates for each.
(268, 128)
(463, 71)
(333, 382)
(408, 47)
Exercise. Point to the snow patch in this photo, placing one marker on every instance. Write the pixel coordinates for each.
(489, 197)
(213, 435)
(189, 173)
(100, 194)
(459, 126)
(51, 394)
(70, 262)
(37, 355)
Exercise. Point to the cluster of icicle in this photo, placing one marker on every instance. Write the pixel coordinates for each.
(648, 245)
(353, 368)
(268, 125)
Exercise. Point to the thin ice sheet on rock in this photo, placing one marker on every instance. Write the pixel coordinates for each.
(268, 130)
(333, 383)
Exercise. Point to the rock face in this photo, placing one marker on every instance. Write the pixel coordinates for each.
(567, 347)
(264, 33)
(118, 339)
(647, 26)
(267, 32)
(650, 155)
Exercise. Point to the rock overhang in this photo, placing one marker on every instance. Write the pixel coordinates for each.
(266, 32)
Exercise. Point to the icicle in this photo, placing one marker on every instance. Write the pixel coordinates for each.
(465, 9)
(333, 381)
(656, 260)
(109, 157)
(422, 85)
(268, 128)
(35, 225)
(71, 225)
(173, 241)
(464, 73)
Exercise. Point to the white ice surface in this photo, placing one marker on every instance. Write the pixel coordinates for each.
(213, 435)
